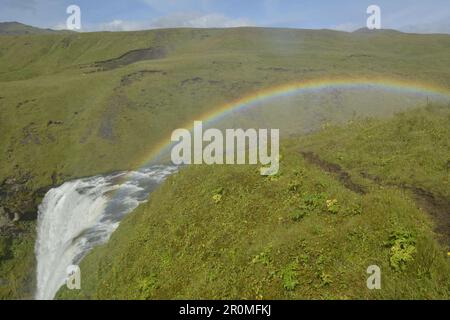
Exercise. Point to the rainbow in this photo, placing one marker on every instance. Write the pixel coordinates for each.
(268, 94)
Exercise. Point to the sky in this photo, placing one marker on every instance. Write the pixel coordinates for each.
(423, 16)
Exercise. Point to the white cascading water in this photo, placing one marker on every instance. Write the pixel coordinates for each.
(81, 214)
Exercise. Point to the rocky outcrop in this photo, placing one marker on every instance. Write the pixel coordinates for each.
(18, 201)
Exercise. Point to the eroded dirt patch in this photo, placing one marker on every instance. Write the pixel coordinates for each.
(116, 104)
(191, 81)
(137, 76)
(435, 205)
(130, 57)
(336, 170)
(30, 134)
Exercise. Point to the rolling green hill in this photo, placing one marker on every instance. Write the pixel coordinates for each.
(16, 28)
(308, 233)
(81, 104)
(59, 98)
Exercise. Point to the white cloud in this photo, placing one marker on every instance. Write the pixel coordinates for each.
(349, 27)
(59, 26)
(212, 20)
(178, 20)
(114, 25)
(118, 25)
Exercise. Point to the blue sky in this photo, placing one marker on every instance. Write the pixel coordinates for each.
(406, 15)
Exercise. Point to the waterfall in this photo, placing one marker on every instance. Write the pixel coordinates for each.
(81, 214)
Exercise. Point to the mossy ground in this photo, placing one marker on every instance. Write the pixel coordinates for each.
(61, 117)
(17, 276)
(227, 232)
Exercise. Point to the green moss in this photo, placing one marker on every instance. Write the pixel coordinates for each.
(17, 273)
(60, 118)
(247, 246)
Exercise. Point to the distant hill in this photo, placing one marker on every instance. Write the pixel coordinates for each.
(386, 31)
(16, 28)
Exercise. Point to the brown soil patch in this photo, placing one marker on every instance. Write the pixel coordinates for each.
(136, 76)
(131, 57)
(334, 169)
(435, 205)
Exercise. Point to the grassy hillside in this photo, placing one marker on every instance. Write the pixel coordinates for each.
(310, 232)
(16, 28)
(62, 110)
(80, 104)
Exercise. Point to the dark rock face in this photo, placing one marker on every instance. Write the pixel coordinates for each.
(131, 57)
(4, 220)
(18, 201)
